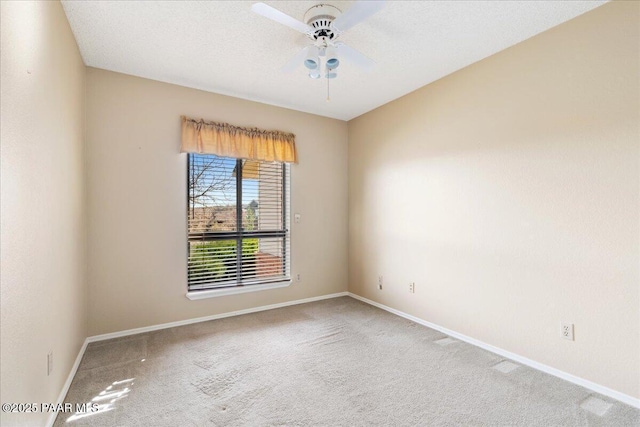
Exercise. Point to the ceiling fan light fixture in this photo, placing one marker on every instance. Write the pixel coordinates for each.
(323, 24)
(311, 61)
(332, 57)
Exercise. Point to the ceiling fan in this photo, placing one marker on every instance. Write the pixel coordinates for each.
(324, 24)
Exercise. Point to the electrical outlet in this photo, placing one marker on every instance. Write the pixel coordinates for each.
(49, 363)
(380, 282)
(298, 277)
(566, 331)
(296, 218)
(412, 287)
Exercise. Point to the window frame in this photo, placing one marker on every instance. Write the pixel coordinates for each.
(240, 284)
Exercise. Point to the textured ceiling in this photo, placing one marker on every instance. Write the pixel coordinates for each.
(223, 47)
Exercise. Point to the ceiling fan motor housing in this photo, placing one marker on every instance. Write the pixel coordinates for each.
(320, 17)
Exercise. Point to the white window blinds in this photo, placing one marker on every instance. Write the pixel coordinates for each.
(238, 226)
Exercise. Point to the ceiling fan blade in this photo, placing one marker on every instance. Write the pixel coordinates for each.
(352, 55)
(282, 18)
(296, 61)
(357, 13)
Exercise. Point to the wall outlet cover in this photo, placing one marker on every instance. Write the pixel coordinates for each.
(566, 331)
(50, 362)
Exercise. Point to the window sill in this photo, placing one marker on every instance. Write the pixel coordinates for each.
(213, 293)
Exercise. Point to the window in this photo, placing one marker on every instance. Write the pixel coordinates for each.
(238, 226)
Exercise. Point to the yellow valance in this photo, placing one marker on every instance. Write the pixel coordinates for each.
(223, 139)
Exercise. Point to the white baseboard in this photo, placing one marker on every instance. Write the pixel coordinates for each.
(624, 398)
(67, 383)
(207, 318)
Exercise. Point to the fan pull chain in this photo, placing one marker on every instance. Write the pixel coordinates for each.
(328, 97)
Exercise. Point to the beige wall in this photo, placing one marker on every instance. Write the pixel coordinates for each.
(137, 201)
(509, 192)
(42, 204)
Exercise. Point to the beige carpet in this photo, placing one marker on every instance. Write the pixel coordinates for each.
(336, 362)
